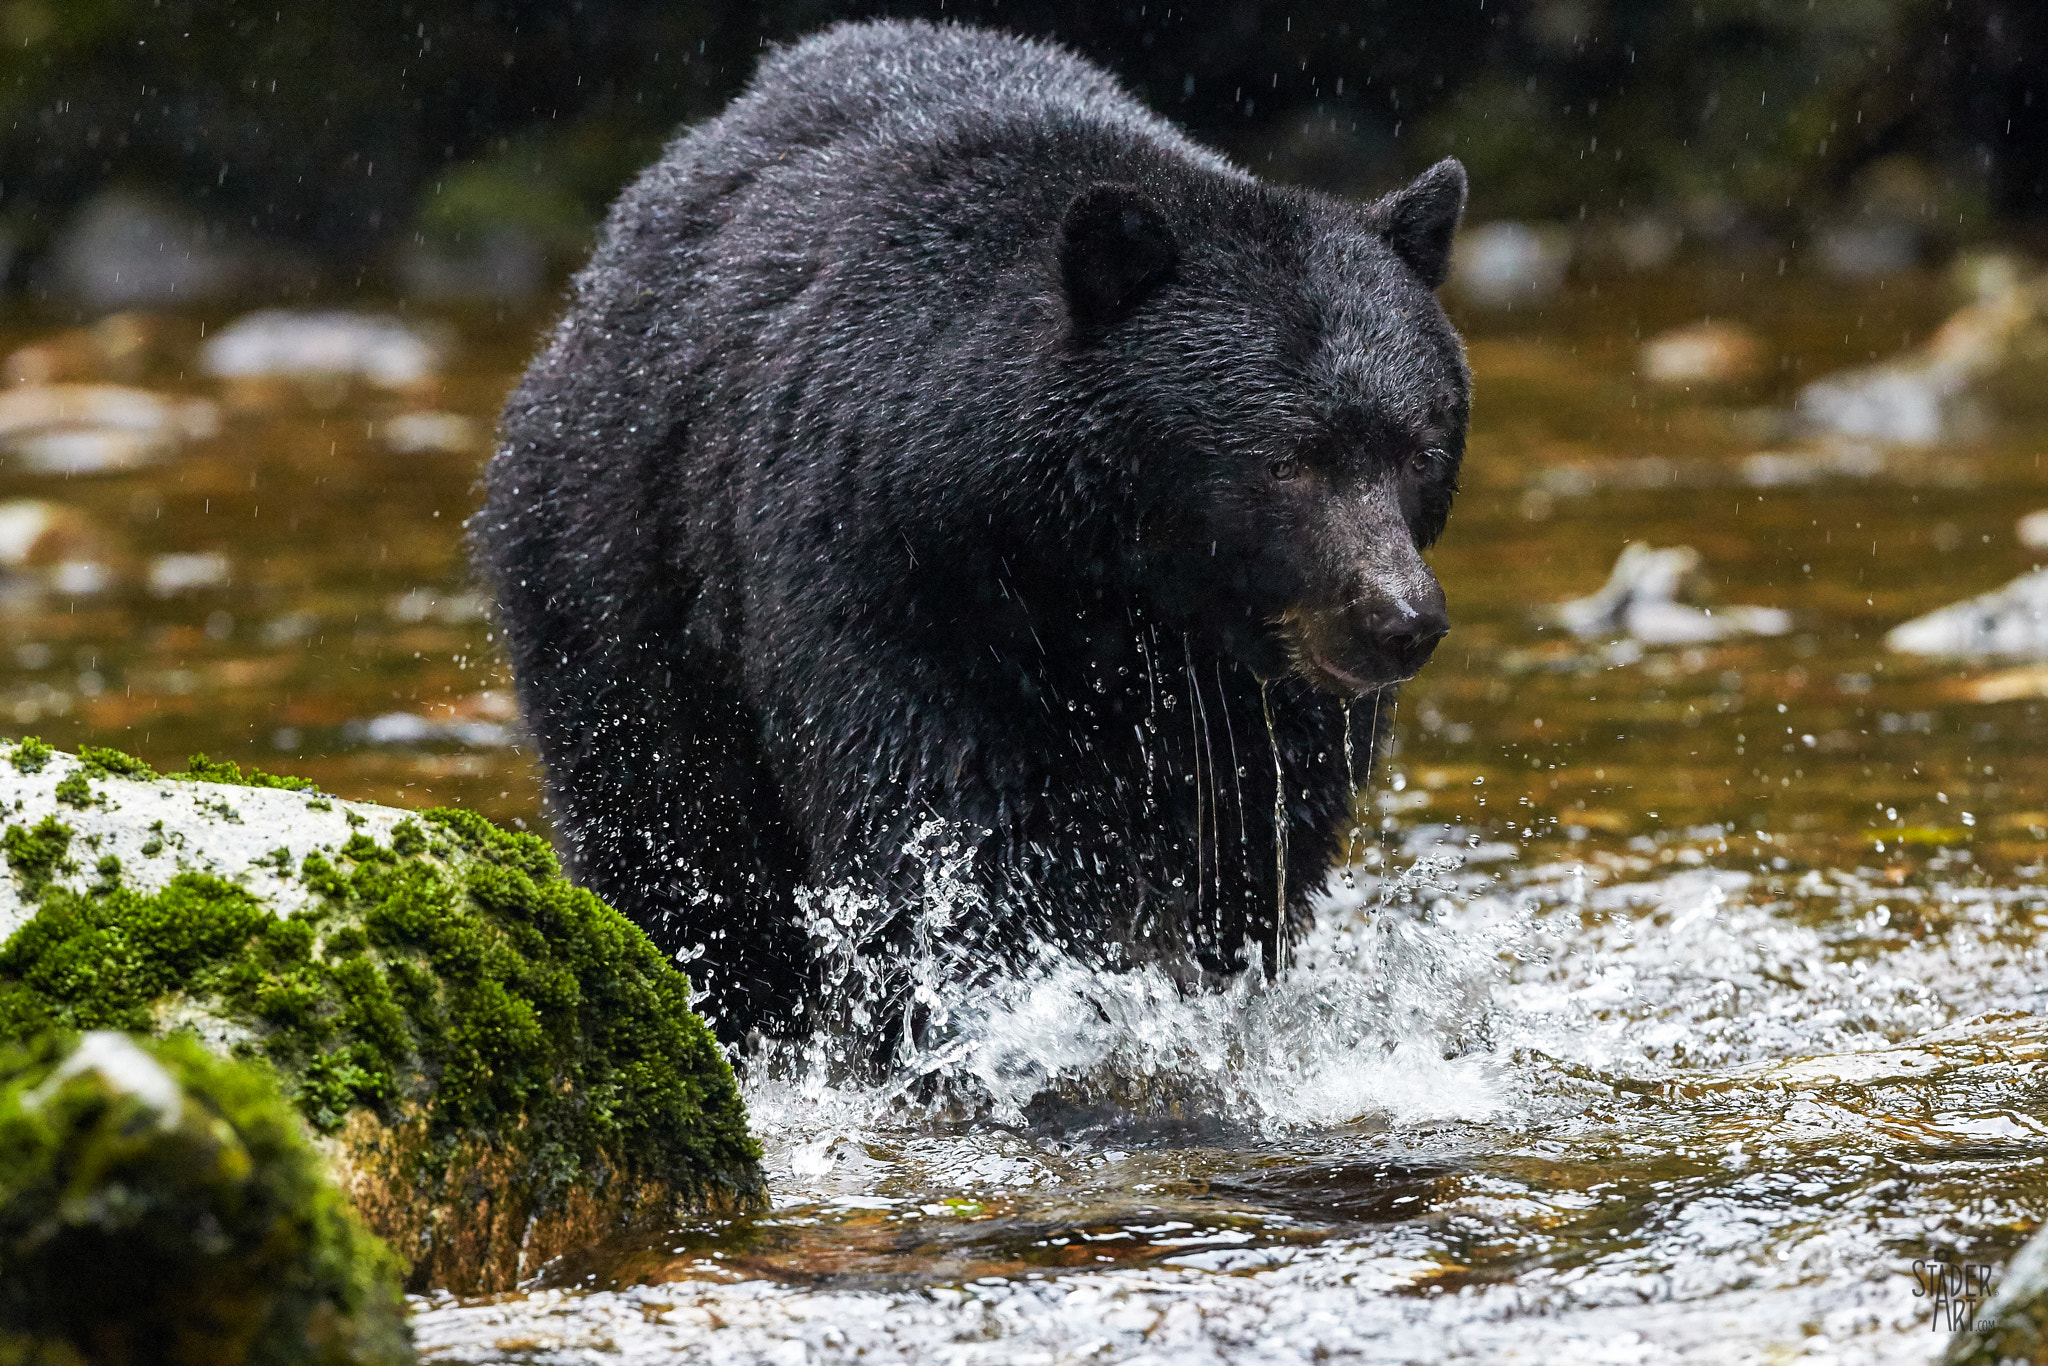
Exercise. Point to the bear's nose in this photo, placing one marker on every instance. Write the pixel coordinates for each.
(1406, 635)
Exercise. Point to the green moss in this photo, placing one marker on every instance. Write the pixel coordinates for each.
(30, 755)
(200, 769)
(161, 1204)
(74, 790)
(36, 855)
(453, 972)
(100, 763)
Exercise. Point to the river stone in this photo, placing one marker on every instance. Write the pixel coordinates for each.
(1644, 600)
(2006, 623)
(152, 1194)
(499, 1066)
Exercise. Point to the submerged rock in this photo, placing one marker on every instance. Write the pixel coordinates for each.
(121, 347)
(1644, 600)
(49, 547)
(410, 728)
(416, 605)
(430, 432)
(501, 1066)
(2005, 685)
(2006, 623)
(153, 1194)
(1759, 470)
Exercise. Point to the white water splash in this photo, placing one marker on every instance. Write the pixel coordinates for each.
(1382, 1015)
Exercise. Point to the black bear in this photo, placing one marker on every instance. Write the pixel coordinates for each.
(942, 447)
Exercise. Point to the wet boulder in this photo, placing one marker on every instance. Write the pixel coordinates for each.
(504, 265)
(1865, 250)
(188, 571)
(1654, 595)
(128, 250)
(1909, 403)
(498, 1066)
(153, 1195)
(1927, 395)
(2007, 623)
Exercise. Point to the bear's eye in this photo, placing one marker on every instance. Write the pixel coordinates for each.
(1436, 457)
(1284, 469)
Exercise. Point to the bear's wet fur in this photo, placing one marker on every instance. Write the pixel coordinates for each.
(942, 448)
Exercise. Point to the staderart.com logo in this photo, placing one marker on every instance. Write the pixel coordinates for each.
(1958, 1290)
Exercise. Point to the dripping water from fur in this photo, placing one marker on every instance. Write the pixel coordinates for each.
(1279, 831)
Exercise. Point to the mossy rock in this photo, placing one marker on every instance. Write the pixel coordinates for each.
(500, 1067)
(161, 1204)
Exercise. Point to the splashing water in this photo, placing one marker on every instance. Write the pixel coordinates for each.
(1382, 1015)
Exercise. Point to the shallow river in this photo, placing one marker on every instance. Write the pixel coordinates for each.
(1681, 999)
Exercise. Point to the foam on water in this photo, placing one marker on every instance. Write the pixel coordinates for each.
(1383, 1014)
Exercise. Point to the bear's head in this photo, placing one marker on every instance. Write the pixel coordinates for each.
(1285, 404)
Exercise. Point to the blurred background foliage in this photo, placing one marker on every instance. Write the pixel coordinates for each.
(385, 143)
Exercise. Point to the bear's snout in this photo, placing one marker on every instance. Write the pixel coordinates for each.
(1381, 637)
(1401, 633)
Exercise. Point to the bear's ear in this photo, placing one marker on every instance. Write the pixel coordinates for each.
(1114, 249)
(1419, 220)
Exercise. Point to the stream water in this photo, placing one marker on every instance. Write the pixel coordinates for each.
(1677, 1002)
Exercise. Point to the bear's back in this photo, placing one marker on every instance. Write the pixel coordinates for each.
(857, 76)
(878, 93)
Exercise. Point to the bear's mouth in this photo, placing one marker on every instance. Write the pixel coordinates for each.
(1315, 662)
(1319, 666)
(1330, 676)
